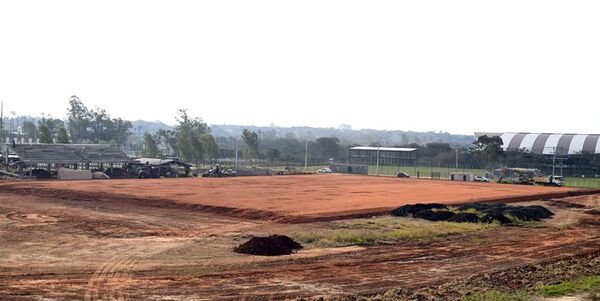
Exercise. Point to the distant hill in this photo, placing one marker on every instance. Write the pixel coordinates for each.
(345, 133)
(149, 126)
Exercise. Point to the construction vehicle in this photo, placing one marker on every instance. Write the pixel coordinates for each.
(527, 176)
(516, 175)
(218, 172)
(549, 180)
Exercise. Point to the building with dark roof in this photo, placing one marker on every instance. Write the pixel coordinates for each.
(373, 155)
(68, 154)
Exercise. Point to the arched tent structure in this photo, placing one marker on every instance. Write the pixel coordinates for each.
(549, 143)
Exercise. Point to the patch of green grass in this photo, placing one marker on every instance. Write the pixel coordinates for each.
(583, 182)
(581, 285)
(496, 296)
(584, 284)
(382, 230)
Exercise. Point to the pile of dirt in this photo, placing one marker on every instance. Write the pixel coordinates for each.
(501, 212)
(273, 245)
(475, 213)
(464, 217)
(565, 204)
(434, 216)
(529, 213)
(487, 208)
(495, 217)
(408, 210)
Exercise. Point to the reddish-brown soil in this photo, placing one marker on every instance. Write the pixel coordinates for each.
(289, 198)
(106, 247)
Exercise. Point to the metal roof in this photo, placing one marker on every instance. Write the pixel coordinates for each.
(549, 143)
(387, 149)
(68, 153)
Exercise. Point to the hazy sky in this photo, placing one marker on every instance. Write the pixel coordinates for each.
(457, 66)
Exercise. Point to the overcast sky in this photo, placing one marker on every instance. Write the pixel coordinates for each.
(456, 66)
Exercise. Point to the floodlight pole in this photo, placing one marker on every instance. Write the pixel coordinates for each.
(377, 171)
(553, 162)
(456, 159)
(236, 152)
(306, 155)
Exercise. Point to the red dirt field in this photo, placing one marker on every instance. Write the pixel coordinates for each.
(56, 249)
(139, 240)
(290, 198)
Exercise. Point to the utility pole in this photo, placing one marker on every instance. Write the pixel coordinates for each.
(306, 155)
(139, 150)
(456, 159)
(236, 152)
(553, 161)
(377, 162)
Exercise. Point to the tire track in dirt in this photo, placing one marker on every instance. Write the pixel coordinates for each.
(109, 281)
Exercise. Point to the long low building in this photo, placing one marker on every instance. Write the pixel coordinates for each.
(372, 155)
(548, 143)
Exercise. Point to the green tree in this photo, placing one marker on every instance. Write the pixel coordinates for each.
(44, 133)
(188, 133)
(150, 147)
(101, 125)
(251, 140)
(29, 129)
(488, 150)
(211, 150)
(62, 136)
(273, 154)
(121, 131)
(169, 138)
(327, 147)
(79, 120)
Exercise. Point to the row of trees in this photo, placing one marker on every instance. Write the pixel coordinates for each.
(95, 125)
(47, 130)
(191, 140)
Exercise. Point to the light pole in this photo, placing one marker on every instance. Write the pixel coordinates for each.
(377, 162)
(12, 120)
(306, 154)
(456, 166)
(236, 152)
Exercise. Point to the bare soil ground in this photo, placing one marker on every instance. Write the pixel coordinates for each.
(102, 246)
(289, 198)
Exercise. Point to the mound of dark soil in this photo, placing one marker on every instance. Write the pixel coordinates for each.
(408, 210)
(498, 212)
(565, 204)
(529, 213)
(485, 208)
(273, 245)
(491, 217)
(430, 215)
(464, 218)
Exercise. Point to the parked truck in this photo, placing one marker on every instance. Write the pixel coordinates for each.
(549, 180)
(527, 176)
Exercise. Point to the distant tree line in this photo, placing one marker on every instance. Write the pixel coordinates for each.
(192, 140)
